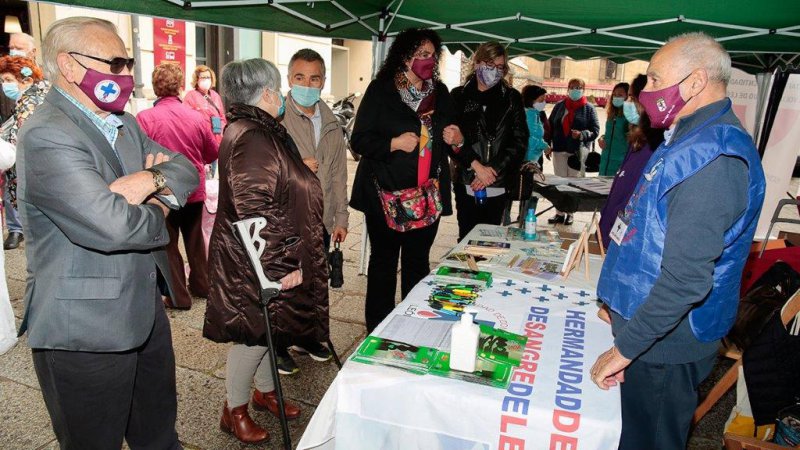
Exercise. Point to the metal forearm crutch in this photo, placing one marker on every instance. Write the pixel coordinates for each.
(247, 231)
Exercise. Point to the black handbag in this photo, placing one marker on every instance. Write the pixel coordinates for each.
(592, 161)
(336, 264)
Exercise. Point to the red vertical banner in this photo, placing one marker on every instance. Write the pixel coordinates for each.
(169, 42)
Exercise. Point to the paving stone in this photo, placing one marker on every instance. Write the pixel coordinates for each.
(193, 351)
(17, 365)
(193, 317)
(24, 423)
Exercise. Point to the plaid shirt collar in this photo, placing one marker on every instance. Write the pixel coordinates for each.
(109, 126)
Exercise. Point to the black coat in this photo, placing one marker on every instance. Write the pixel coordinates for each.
(382, 116)
(502, 148)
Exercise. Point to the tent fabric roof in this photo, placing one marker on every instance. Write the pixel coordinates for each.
(760, 36)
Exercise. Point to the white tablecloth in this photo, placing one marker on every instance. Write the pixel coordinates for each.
(551, 402)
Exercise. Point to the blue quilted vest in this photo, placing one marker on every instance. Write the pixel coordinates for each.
(631, 269)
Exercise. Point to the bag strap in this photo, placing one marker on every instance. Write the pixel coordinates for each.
(208, 99)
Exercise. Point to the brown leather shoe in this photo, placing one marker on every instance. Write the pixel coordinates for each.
(269, 401)
(237, 422)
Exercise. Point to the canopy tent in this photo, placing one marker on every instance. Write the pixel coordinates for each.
(760, 36)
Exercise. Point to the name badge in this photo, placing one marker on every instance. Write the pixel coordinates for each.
(618, 230)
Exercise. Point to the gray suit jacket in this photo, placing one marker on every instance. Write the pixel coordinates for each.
(92, 257)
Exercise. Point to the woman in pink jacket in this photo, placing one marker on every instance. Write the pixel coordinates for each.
(181, 129)
(206, 100)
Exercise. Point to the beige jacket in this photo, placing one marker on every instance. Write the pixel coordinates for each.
(331, 155)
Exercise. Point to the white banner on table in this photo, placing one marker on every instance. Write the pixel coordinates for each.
(550, 403)
(550, 399)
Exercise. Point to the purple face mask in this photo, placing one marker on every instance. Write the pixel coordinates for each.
(662, 105)
(423, 68)
(107, 91)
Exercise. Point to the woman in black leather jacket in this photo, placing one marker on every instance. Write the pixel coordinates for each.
(492, 119)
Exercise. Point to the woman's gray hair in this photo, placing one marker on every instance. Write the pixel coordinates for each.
(245, 81)
(68, 35)
(700, 51)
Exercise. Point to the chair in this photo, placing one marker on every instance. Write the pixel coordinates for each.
(734, 442)
(776, 218)
(790, 310)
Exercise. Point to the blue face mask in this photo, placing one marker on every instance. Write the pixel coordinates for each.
(575, 94)
(282, 108)
(617, 101)
(11, 90)
(305, 96)
(15, 52)
(630, 112)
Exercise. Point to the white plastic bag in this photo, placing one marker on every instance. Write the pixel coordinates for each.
(8, 328)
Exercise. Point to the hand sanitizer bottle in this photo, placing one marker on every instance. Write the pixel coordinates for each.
(464, 342)
(530, 225)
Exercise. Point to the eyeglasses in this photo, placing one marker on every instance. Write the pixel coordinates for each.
(492, 65)
(116, 64)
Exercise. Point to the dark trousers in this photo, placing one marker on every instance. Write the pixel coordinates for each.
(96, 399)
(188, 222)
(412, 248)
(658, 401)
(470, 213)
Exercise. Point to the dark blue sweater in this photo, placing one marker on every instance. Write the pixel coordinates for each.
(699, 211)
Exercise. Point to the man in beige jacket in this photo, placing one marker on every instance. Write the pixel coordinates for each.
(315, 130)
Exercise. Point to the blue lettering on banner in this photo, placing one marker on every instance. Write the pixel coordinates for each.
(514, 418)
(566, 415)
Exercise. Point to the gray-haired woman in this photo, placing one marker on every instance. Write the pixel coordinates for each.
(262, 175)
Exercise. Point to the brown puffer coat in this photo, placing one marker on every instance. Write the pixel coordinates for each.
(262, 174)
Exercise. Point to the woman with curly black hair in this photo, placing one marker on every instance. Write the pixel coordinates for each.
(404, 133)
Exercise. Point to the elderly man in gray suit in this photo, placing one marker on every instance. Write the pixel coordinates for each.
(93, 195)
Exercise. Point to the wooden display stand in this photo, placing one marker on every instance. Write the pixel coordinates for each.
(580, 251)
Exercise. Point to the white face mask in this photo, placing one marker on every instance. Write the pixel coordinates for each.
(539, 106)
(15, 52)
(204, 84)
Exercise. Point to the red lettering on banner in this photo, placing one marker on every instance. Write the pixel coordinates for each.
(506, 420)
(511, 443)
(561, 442)
(566, 427)
(524, 375)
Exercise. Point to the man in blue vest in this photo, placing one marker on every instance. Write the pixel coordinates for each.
(672, 274)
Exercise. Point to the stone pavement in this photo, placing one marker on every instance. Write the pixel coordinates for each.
(24, 423)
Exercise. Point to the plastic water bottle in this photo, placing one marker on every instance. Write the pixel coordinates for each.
(530, 225)
(480, 196)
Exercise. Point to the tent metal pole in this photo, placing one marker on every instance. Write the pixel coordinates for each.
(742, 36)
(300, 16)
(356, 19)
(481, 33)
(352, 16)
(377, 47)
(632, 38)
(641, 24)
(417, 19)
(484, 22)
(551, 23)
(389, 25)
(137, 55)
(723, 25)
(763, 83)
(553, 36)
